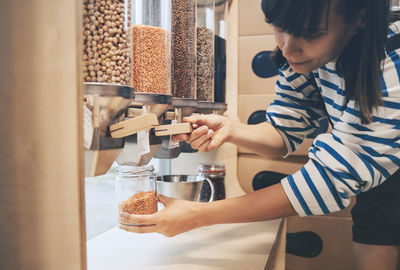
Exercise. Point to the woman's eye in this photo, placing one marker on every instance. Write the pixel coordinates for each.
(312, 36)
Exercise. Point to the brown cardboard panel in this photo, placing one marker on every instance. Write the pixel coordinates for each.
(252, 19)
(250, 165)
(249, 104)
(249, 82)
(336, 236)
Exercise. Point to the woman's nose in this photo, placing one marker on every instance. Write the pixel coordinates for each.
(290, 47)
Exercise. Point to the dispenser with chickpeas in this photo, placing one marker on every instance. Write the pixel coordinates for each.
(144, 63)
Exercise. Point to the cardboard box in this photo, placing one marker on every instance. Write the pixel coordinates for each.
(336, 235)
(249, 82)
(249, 104)
(252, 19)
(250, 165)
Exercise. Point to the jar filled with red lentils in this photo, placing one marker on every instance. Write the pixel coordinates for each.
(136, 191)
(151, 46)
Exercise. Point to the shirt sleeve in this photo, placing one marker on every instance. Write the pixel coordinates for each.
(298, 108)
(353, 158)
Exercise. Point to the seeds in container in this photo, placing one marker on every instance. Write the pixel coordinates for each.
(99, 36)
(150, 60)
(184, 48)
(142, 203)
(205, 64)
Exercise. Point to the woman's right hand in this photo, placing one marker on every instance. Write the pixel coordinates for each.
(209, 132)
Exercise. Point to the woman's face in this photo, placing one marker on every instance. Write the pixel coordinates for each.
(307, 54)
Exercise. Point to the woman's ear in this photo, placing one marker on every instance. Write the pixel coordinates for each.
(361, 20)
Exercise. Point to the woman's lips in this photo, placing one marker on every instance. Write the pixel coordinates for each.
(295, 64)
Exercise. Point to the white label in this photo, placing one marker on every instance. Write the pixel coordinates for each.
(87, 127)
(172, 144)
(143, 142)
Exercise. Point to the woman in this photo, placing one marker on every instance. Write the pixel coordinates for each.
(334, 63)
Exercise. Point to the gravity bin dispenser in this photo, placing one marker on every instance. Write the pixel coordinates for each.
(139, 67)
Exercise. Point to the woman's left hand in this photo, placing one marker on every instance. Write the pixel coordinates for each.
(178, 216)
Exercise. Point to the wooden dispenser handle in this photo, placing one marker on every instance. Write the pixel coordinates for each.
(134, 125)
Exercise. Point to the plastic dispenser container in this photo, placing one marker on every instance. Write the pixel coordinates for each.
(220, 51)
(106, 56)
(205, 50)
(151, 46)
(184, 49)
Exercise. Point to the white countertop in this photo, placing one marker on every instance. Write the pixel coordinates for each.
(228, 246)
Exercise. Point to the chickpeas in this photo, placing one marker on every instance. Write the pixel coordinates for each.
(105, 51)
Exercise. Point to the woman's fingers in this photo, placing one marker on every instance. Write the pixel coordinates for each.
(201, 140)
(130, 219)
(139, 229)
(163, 199)
(197, 133)
(180, 137)
(197, 119)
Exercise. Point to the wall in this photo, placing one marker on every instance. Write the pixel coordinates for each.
(41, 159)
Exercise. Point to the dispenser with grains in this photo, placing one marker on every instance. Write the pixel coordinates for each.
(105, 41)
(184, 49)
(220, 51)
(136, 192)
(205, 50)
(151, 46)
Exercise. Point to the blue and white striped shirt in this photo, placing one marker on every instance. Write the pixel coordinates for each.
(352, 158)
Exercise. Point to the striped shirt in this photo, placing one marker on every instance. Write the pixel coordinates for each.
(352, 158)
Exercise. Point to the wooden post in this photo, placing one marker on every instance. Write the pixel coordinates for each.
(41, 157)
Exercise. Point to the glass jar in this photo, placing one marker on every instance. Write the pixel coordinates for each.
(105, 41)
(136, 191)
(184, 49)
(205, 50)
(151, 46)
(216, 174)
(220, 52)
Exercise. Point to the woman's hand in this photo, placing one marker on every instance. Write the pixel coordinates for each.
(178, 216)
(210, 132)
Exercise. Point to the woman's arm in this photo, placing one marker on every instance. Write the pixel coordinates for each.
(211, 131)
(262, 139)
(179, 216)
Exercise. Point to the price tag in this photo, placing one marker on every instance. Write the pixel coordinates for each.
(172, 144)
(87, 127)
(143, 142)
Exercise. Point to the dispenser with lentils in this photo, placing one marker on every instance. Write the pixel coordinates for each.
(151, 46)
(205, 50)
(184, 49)
(105, 41)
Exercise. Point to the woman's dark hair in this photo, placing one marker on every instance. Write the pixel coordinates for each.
(360, 61)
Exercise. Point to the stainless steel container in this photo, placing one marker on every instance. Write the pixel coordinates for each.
(184, 187)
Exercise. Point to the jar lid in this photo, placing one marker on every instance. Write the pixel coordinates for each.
(132, 169)
(211, 168)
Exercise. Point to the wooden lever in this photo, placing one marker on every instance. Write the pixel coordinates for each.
(134, 125)
(173, 129)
